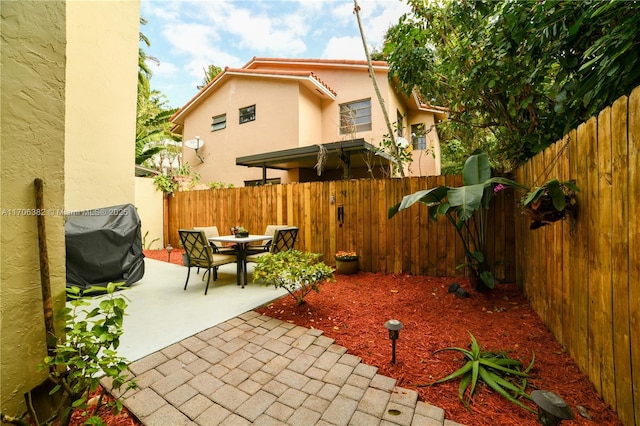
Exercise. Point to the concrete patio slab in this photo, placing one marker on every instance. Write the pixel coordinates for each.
(160, 312)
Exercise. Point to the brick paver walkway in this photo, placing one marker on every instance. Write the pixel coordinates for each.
(258, 370)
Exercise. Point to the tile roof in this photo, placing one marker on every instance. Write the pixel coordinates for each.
(331, 62)
(302, 74)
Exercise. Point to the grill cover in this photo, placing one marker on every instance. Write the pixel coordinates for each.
(104, 245)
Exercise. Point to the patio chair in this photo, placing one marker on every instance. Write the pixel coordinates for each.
(284, 239)
(200, 254)
(218, 247)
(264, 246)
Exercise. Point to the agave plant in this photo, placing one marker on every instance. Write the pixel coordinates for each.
(495, 369)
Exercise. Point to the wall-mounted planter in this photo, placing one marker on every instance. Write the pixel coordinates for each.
(550, 202)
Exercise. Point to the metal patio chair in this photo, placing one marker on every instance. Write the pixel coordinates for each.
(218, 247)
(284, 239)
(200, 254)
(265, 246)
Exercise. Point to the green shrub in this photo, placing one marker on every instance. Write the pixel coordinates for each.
(293, 270)
(87, 351)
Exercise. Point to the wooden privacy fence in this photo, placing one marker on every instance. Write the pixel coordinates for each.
(582, 275)
(350, 215)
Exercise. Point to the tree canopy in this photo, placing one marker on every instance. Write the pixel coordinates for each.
(514, 76)
(152, 115)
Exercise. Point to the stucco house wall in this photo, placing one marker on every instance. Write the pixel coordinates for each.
(101, 101)
(150, 204)
(32, 122)
(68, 96)
(311, 117)
(273, 100)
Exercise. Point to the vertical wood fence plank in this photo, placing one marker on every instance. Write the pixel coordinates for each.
(595, 295)
(450, 260)
(533, 281)
(366, 222)
(376, 218)
(404, 242)
(626, 225)
(310, 215)
(432, 244)
(570, 331)
(581, 355)
(461, 256)
(634, 248)
(383, 226)
(424, 230)
(443, 227)
(554, 272)
(604, 257)
(394, 195)
(333, 223)
(563, 245)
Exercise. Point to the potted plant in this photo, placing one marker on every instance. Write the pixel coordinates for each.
(347, 262)
(241, 232)
(550, 202)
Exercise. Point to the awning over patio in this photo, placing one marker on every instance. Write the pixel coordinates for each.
(354, 153)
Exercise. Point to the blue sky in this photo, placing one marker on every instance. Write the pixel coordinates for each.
(186, 36)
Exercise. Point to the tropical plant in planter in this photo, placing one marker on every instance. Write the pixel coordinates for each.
(550, 202)
(466, 208)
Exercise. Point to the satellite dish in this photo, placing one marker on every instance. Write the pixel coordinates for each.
(402, 142)
(196, 144)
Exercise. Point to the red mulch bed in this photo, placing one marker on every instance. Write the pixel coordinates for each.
(353, 309)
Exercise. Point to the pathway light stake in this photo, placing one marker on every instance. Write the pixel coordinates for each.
(551, 408)
(169, 250)
(394, 326)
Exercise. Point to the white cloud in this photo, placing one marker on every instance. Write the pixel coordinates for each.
(260, 29)
(187, 36)
(163, 69)
(344, 48)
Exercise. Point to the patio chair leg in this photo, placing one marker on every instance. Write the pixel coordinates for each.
(215, 273)
(188, 273)
(206, 289)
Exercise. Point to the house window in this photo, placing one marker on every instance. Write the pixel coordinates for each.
(219, 122)
(418, 136)
(355, 116)
(247, 114)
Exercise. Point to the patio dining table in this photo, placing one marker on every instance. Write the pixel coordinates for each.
(241, 244)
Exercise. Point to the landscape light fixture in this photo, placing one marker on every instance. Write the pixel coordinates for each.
(394, 326)
(169, 250)
(551, 408)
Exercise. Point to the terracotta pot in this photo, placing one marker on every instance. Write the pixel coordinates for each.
(347, 267)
